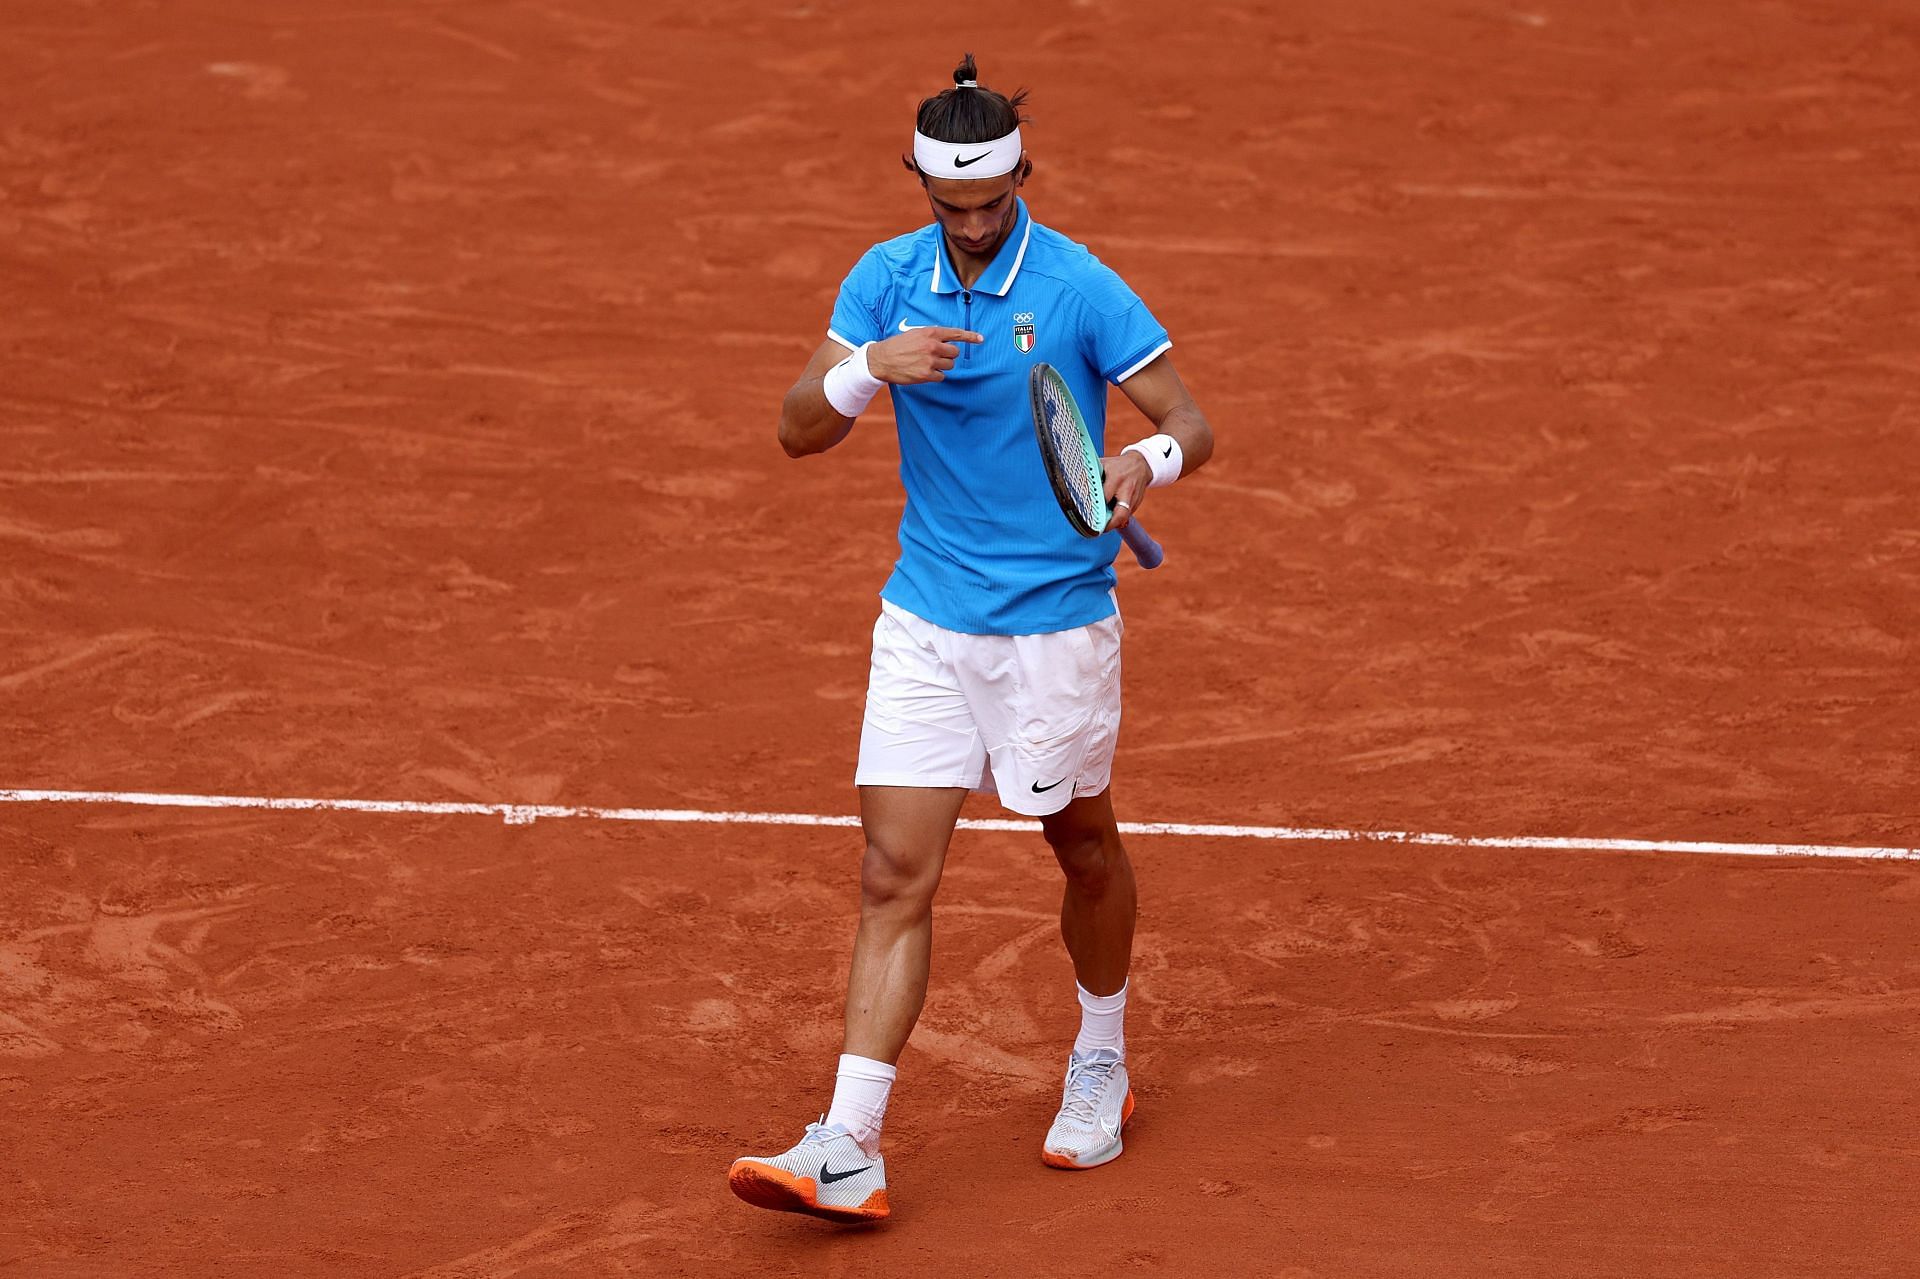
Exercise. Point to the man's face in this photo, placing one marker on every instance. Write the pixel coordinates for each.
(976, 213)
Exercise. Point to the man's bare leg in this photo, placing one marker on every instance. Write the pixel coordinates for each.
(1098, 906)
(908, 829)
(836, 1170)
(1096, 921)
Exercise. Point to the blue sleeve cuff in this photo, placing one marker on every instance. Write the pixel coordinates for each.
(1146, 355)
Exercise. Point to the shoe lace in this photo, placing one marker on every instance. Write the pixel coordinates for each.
(1085, 1078)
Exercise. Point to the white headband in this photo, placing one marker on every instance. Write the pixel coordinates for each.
(966, 159)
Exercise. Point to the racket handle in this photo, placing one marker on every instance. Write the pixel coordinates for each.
(1141, 543)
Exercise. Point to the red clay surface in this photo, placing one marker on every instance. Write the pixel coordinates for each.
(388, 413)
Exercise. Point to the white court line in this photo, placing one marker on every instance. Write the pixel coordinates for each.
(525, 814)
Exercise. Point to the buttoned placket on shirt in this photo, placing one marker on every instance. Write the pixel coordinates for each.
(996, 280)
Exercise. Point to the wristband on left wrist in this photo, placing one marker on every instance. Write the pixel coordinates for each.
(1163, 458)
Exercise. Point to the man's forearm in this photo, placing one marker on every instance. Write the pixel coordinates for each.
(1186, 424)
(808, 424)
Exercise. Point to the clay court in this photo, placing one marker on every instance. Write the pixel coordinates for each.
(388, 414)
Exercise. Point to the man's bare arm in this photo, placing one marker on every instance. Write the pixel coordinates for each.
(1157, 392)
(810, 424)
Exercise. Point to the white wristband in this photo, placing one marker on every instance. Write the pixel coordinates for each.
(848, 385)
(1163, 456)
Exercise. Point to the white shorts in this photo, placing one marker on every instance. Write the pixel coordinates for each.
(1032, 716)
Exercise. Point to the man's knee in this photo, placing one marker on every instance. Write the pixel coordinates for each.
(1089, 857)
(893, 878)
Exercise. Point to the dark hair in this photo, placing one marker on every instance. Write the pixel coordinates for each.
(970, 113)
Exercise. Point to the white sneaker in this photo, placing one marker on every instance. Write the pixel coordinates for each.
(1094, 1106)
(826, 1175)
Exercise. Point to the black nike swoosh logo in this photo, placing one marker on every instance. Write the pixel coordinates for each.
(1038, 789)
(958, 163)
(1167, 451)
(828, 1178)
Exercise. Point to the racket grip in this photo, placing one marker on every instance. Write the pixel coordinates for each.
(1147, 551)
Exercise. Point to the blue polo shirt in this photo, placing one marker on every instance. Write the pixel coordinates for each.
(984, 548)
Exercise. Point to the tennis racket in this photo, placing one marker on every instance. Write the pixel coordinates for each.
(1073, 465)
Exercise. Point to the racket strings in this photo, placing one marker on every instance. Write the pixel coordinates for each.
(1063, 436)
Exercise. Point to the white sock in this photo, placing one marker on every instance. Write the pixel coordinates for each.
(1101, 1018)
(860, 1092)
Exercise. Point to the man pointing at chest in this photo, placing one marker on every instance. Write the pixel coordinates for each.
(996, 656)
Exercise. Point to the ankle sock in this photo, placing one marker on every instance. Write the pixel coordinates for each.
(860, 1092)
(1102, 1020)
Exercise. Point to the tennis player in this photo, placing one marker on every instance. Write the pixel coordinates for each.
(996, 656)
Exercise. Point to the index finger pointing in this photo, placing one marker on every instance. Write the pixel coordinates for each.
(957, 335)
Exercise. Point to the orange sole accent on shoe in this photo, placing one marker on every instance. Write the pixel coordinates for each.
(765, 1186)
(1052, 1160)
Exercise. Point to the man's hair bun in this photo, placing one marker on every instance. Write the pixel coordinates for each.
(967, 112)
